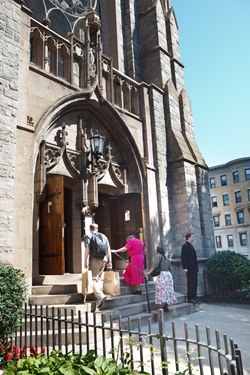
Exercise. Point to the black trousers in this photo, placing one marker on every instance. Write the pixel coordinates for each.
(191, 285)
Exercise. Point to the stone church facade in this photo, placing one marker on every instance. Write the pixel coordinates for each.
(96, 125)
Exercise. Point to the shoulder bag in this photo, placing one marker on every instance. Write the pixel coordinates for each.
(156, 271)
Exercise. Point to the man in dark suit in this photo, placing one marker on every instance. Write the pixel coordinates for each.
(190, 267)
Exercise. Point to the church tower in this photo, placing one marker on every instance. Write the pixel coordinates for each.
(97, 126)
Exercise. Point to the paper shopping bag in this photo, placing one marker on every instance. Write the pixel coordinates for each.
(111, 283)
(87, 285)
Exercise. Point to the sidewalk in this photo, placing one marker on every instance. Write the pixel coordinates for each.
(232, 320)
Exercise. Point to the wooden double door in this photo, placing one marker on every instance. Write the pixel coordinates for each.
(117, 216)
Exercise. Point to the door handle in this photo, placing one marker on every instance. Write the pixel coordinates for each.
(61, 230)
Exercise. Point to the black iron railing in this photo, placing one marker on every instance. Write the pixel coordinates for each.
(149, 347)
(220, 289)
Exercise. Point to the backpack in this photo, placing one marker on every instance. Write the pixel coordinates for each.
(98, 245)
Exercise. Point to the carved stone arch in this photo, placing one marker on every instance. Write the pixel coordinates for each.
(109, 124)
(62, 150)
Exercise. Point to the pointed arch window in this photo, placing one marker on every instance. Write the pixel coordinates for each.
(60, 65)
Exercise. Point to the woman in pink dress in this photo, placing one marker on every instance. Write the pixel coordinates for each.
(134, 275)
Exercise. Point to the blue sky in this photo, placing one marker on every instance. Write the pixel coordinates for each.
(214, 40)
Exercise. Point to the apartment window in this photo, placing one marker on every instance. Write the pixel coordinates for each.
(236, 177)
(223, 180)
(230, 241)
(214, 201)
(240, 217)
(243, 239)
(216, 221)
(248, 194)
(225, 199)
(228, 219)
(237, 196)
(212, 183)
(247, 174)
(218, 242)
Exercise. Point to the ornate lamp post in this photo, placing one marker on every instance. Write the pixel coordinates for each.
(96, 167)
(97, 145)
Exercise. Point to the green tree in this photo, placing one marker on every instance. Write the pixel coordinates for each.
(13, 290)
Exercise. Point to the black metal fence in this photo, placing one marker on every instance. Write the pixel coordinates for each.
(229, 290)
(149, 348)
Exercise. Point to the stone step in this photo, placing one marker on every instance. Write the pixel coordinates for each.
(61, 295)
(60, 291)
(123, 306)
(53, 309)
(67, 278)
(63, 292)
(131, 305)
(131, 322)
(54, 289)
(53, 337)
(73, 278)
(48, 315)
(56, 299)
(111, 302)
(42, 290)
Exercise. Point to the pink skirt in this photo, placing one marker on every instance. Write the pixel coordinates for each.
(131, 275)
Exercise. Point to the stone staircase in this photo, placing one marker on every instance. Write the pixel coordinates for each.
(65, 291)
(57, 302)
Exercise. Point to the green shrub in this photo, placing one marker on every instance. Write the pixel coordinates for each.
(229, 268)
(12, 295)
(58, 363)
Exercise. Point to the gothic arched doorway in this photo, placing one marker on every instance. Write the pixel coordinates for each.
(74, 184)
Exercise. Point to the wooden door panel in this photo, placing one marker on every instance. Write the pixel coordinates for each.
(51, 232)
(126, 219)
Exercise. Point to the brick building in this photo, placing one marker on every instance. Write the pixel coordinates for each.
(230, 200)
(96, 124)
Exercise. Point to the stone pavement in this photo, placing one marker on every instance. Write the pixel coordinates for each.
(232, 320)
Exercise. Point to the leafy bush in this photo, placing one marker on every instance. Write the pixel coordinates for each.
(58, 363)
(13, 362)
(229, 269)
(12, 295)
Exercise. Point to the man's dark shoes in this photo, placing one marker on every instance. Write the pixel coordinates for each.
(137, 292)
(194, 301)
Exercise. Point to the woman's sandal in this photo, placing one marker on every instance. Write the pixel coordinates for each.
(165, 307)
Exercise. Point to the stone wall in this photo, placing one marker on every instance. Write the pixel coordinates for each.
(9, 70)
